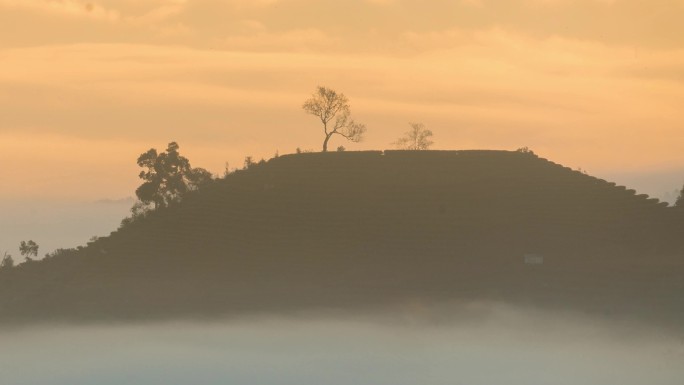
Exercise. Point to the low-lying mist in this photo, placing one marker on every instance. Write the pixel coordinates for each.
(418, 344)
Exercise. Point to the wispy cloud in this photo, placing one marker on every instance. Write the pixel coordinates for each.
(71, 8)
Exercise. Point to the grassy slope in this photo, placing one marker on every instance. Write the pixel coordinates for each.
(371, 228)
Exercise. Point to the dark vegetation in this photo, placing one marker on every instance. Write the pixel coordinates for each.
(7, 261)
(28, 249)
(366, 229)
(168, 177)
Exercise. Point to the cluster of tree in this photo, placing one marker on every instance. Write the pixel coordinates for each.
(333, 110)
(28, 249)
(168, 177)
(250, 162)
(57, 253)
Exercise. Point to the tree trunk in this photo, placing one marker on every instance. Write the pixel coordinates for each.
(325, 143)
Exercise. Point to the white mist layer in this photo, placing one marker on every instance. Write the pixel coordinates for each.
(489, 345)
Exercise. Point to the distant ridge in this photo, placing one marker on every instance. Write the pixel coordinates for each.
(373, 228)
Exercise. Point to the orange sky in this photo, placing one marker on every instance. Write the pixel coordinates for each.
(86, 86)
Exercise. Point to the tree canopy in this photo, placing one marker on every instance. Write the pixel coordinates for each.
(168, 176)
(332, 108)
(28, 249)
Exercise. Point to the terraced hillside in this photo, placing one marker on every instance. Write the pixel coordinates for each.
(357, 229)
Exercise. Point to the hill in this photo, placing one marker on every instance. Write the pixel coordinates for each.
(369, 229)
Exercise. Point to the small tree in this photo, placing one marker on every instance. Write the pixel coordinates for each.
(333, 110)
(248, 163)
(418, 138)
(7, 262)
(226, 172)
(28, 249)
(525, 150)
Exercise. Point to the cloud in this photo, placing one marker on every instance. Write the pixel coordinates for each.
(566, 2)
(295, 40)
(381, 2)
(71, 8)
(356, 25)
(473, 3)
(159, 13)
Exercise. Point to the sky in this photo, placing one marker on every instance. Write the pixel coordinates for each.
(88, 85)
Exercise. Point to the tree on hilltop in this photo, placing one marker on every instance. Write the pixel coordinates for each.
(168, 176)
(417, 138)
(332, 108)
(28, 249)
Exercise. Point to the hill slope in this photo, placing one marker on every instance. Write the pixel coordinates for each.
(373, 228)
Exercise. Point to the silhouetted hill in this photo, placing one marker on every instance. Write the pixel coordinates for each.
(356, 229)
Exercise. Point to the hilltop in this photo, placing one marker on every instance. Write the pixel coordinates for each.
(369, 229)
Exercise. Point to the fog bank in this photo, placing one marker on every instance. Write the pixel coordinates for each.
(483, 344)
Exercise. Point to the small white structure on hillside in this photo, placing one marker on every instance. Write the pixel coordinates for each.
(534, 259)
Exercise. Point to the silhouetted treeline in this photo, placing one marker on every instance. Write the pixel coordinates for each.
(350, 229)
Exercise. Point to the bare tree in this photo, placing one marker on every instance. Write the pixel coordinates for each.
(417, 138)
(333, 110)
